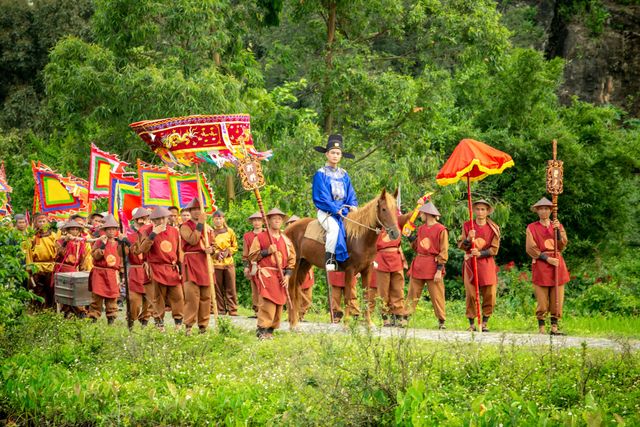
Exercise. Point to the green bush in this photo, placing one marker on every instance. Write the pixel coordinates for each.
(608, 298)
(14, 294)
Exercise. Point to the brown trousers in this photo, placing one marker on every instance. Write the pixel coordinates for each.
(70, 309)
(171, 294)
(197, 305)
(306, 299)
(546, 297)
(350, 299)
(139, 306)
(370, 294)
(226, 296)
(487, 296)
(44, 287)
(110, 304)
(151, 295)
(391, 291)
(436, 293)
(269, 314)
(255, 295)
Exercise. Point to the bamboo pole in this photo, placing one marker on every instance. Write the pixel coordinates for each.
(554, 200)
(206, 245)
(474, 261)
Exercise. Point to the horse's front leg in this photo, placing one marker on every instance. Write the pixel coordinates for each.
(350, 293)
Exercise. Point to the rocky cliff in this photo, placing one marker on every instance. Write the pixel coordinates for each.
(599, 40)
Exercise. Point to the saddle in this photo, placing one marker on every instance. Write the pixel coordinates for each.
(314, 231)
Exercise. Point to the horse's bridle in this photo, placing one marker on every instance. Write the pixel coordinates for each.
(377, 230)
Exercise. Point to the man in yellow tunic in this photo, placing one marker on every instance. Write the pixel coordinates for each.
(41, 258)
(225, 244)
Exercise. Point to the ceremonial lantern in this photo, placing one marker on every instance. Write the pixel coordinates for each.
(555, 188)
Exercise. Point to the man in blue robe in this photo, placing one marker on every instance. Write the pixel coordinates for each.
(334, 197)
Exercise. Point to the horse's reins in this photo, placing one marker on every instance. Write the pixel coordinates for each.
(377, 230)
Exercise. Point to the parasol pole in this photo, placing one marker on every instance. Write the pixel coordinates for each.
(474, 261)
(206, 245)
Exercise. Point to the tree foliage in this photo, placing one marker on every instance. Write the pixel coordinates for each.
(403, 81)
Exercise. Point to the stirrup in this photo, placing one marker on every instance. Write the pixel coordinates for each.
(330, 262)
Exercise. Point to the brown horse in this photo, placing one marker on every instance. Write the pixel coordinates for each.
(361, 229)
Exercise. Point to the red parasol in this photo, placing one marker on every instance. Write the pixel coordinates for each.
(473, 160)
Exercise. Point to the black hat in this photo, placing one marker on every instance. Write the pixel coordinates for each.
(335, 141)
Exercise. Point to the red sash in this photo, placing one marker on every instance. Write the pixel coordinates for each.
(424, 265)
(487, 270)
(541, 271)
(73, 256)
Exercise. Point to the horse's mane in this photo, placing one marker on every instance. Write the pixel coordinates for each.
(366, 215)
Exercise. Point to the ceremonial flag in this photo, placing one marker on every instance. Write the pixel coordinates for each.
(124, 195)
(79, 188)
(101, 165)
(4, 184)
(184, 188)
(51, 194)
(155, 189)
(5, 204)
(218, 139)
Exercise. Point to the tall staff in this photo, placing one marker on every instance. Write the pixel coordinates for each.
(125, 261)
(555, 188)
(206, 245)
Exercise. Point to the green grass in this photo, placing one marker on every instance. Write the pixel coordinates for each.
(57, 372)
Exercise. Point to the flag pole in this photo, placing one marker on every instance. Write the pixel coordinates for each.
(206, 245)
(126, 273)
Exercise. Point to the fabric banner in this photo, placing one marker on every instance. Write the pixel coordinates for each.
(50, 193)
(100, 166)
(218, 139)
(155, 189)
(184, 189)
(5, 204)
(4, 184)
(124, 195)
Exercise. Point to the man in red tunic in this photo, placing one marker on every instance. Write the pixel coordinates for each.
(251, 268)
(540, 247)
(431, 244)
(275, 266)
(197, 286)
(73, 254)
(160, 242)
(389, 265)
(140, 301)
(306, 287)
(486, 237)
(104, 276)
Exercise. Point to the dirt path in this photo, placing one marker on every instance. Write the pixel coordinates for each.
(491, 338)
